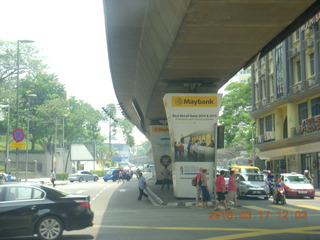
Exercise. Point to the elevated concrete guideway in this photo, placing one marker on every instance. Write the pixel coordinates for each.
(181, 46)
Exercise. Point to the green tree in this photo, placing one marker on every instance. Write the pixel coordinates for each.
(235, 117)
(29, 59)
(122, 124)
(46, 108)
(82, 122)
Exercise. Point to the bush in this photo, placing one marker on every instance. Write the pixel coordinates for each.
(98, 172)
(62, 176)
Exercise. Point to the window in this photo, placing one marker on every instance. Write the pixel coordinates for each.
(23, 193)
(315, 106)
(297, 35)
(303, 111)
(311, 64)
(279, 71)
(261, 126)
(298, 71)
(269, 123)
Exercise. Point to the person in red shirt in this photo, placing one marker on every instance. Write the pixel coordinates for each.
(220, 189)
(232, 188)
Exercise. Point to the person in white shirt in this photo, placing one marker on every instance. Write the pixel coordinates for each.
(142, 184)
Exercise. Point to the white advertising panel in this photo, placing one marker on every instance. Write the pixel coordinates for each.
(183, 174)
(159, 136)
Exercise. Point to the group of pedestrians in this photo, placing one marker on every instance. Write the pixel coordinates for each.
(202, 188)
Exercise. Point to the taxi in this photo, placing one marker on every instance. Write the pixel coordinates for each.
(297, 185)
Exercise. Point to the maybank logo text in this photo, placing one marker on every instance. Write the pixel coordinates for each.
(160, 129)
(187, 101)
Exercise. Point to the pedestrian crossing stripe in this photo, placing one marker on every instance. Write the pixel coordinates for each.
(310, 207)
(286, 208)
(278, 207)
(256, 208)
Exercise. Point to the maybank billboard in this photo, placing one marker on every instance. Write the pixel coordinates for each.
(191, 120)
(191, 114)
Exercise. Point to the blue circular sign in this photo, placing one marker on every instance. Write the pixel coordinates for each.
(18, 135)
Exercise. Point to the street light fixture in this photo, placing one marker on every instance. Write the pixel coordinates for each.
(27, 136)
(18, 94)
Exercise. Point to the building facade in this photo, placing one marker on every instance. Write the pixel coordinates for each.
(286, 103)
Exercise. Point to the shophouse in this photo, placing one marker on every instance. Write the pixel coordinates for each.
(286, 103)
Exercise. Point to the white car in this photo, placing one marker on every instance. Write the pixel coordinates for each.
(83, 176)
(297, 185)
(252, 185)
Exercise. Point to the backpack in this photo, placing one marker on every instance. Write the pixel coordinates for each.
(194, 181)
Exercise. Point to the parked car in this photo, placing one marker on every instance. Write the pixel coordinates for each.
(113, 174)
(27, 209)
(297, 185)
(252, 185)
(83, 176)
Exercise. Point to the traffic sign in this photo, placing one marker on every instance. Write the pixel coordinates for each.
(18, 135)
(18, 145)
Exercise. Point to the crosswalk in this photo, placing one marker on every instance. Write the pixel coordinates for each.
(278, 207)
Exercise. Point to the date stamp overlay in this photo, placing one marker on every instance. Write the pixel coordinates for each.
(257, 215)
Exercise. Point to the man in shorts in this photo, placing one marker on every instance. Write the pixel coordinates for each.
(220, 189)
(232, 189)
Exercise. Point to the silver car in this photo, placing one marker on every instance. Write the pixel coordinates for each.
(83, 176)
(252, 185)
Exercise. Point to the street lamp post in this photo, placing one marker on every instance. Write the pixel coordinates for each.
(63, 147)
(18, 95)
(27, 136)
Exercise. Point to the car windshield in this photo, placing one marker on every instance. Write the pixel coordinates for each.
(109, 172)
(254, 178)
(296, 179)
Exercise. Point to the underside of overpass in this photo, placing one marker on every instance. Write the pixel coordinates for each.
(183, 46)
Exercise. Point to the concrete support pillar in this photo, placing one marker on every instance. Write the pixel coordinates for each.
(291, 118)
(278, 124)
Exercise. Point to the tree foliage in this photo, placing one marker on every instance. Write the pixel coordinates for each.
(236, 117)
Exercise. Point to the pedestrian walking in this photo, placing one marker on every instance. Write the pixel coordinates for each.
(53, 177)
(142, 184)
(205, 189)
(220, 189)
(198, 187)
(165, 177)
(120, 178)
(9, 177)
(232, 189)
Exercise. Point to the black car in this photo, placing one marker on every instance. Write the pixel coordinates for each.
(33, 208)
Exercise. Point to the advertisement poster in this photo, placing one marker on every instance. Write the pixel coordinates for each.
(192, 118)
(183, 174)
(159, 136)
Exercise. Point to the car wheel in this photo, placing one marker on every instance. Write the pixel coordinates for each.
(71, 181)
(49, 227)
(311, 197)
(95, 179)
(113, 179)
(266, 198)
(106, 180)
(80, 179)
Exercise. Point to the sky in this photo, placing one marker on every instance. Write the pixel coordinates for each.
(70, 34)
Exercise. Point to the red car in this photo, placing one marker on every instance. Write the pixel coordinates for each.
(296, 185)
